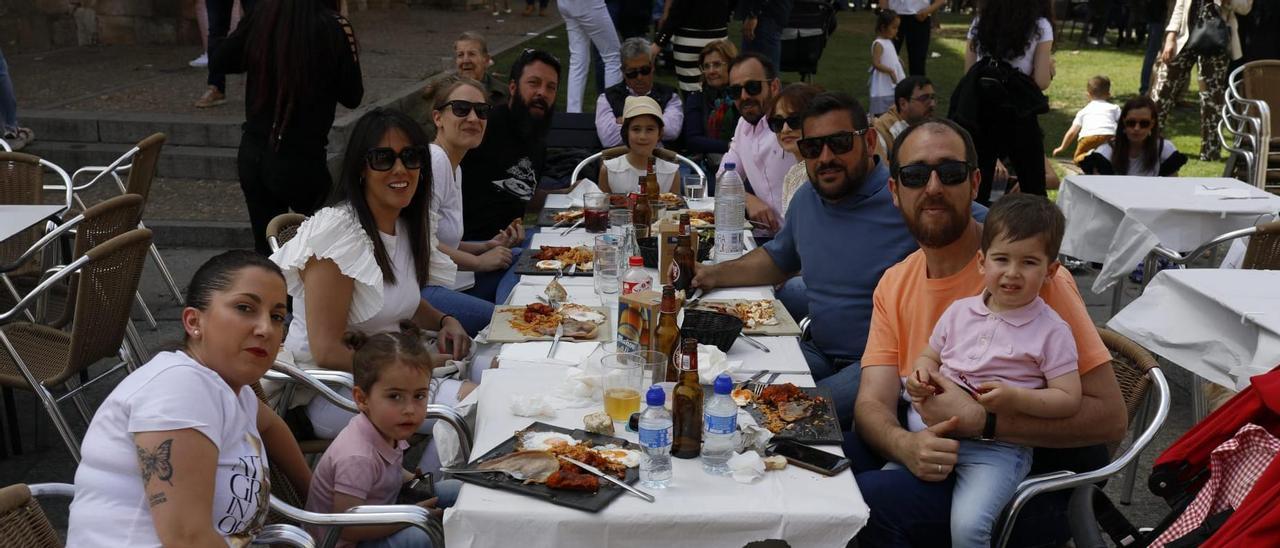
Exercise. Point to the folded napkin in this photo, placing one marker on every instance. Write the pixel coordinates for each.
(746, 467)
(584, 187)
(535, 353)
(712, 362)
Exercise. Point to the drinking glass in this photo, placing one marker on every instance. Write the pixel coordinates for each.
(695, 188)
(595, 212)
(625, 377)
(655, 365)
(618, 218)
(605, 271)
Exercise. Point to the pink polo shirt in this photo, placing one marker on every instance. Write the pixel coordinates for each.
(759, 159)
(1021, 347)
(359, 463)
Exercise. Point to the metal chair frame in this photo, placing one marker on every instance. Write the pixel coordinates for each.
(4, 146)
(1250, 135)
(610, 153)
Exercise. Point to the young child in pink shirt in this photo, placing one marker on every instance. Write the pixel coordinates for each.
(1009, 349)
(363, 465)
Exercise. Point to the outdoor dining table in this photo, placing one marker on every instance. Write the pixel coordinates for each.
(16, 218)
(804, 508)
(1117, 221)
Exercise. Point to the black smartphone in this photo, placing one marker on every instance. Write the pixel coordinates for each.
(810, 458)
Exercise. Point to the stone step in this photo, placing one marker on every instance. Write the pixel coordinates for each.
(188, 162)
(129, 127)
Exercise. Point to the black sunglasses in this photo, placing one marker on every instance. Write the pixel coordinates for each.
(636, 73)
(839, 143)
(1131, 123)
(462, 109)
(384, 158)
(753, 87)
(950, 173)
(794, 121)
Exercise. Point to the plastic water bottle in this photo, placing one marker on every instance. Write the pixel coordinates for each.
(719, 424)
(655, 438)
(731, 203)
(636, 279)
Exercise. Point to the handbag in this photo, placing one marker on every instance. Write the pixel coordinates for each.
(1212, 36)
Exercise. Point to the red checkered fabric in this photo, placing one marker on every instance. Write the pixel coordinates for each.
(1234, 468)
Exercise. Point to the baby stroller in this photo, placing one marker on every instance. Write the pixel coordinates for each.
(1221, 480)
(805, 36)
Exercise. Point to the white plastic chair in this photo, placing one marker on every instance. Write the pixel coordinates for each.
(611, 153)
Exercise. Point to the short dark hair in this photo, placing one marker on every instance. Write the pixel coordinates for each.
(884, 19)
(908, 86)
(970, 151)
(833, 101)
(217, 274)
(1099, 85)
(770, 70)
(530, 56)
(1016, 217)
(375, 353)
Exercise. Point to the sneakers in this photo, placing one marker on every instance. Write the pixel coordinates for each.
(201, 61)
(211, 98)
(18, 138)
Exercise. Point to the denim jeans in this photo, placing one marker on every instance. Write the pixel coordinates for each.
(8, 101)
(472, 312)
(840, 376)
(413, 537)
(768, 40)
(987, 474)
(1155, 40)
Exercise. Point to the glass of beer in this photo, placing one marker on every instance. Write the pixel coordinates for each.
(595, 212)
(625, 376)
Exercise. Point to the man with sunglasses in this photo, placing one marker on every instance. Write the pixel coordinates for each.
(913, 102)
(754, 150)
(638, 73)
(935, 181)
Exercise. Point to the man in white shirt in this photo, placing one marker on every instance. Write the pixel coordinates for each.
(916, 24)
(638, 79)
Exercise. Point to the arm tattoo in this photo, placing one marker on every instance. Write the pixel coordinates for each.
(156, 463)
(157, 499)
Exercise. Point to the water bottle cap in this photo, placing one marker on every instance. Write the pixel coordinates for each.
(635, 261)
(724, 383)
(655, 396)
(730, 166)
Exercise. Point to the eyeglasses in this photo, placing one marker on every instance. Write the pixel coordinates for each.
(926, 98)
(384, 158)
(793, 122)
(636, 73)
(713, 65)
(462, 109)
(950, 173)
(1132, 123)
(839, 143)
(753, 87)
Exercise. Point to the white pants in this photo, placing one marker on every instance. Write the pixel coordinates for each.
(588, 23)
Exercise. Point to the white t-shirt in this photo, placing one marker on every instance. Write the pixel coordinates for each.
(1167, 149)
(1097, 118)
(171, 392)
(1042, 34)
(881, 84)
(625, 178)
(446, 210)
(908, 7)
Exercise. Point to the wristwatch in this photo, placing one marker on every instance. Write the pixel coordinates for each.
(989, 429)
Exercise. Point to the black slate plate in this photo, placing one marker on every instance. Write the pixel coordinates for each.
(525, 266)
(820, 428)
(588, 502)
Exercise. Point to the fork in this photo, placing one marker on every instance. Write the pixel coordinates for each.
(757, 388)
(752, 381)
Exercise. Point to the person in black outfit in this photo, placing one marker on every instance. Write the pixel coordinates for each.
(915, 28)
(302, 60)
(1156, 14)
(688, 26)
(220, 15)
(762, 27)
(500, 176)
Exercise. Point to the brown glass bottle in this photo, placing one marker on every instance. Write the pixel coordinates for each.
(681, 270)
(668, 333)
(686, 410)
(649, 184)
(642, 213)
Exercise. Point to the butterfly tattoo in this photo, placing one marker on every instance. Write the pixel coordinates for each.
(156, 463)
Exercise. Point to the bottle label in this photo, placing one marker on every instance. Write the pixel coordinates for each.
(730, 242)
(632, 287)
(656, 438)
(720, 425)
(674, 271)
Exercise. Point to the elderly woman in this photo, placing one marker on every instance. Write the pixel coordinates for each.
(710, 115)
(472, 60)
(638, 79)
(360, 264)
(177, 453)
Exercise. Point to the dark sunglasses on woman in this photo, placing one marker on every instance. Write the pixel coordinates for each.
(950, 173)
(839, 143)
(462, 109)
(753, 87)
(793, 122)
(384, 158)
(1131, 123)
(636, 73)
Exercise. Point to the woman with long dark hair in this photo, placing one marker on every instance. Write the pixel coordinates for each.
(301, 60)
(1138, 147)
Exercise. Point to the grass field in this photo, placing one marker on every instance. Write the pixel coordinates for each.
(846, 59)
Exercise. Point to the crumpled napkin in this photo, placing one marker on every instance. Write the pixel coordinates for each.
(582, 387)
(584, 187)
(746, 467)
(532, 405)
(752, 436)
(712, 362)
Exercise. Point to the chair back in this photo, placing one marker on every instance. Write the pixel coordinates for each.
(1262, 83)
(143, 169)
(23, 522)
(281, 487)
(104, 298)
(21, 183)
(1263, 252)
(283, 228)
(104, 221)
(1131, 363)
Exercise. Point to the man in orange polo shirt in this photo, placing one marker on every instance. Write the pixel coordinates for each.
(911, 505)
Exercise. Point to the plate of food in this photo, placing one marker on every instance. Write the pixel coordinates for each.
(552, 259)
(559, 216)
(538, 322)
(671, 200)
(793, 413)
(759, 316)
(534, 454)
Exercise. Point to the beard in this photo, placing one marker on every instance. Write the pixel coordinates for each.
(850, 183)
(759, 109)
(940, 234)
(528, 124)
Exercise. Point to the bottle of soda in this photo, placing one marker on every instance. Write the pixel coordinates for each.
(682, 259)
(720, 422)
(668, 333)
(655, 439)
(687, 406)
(636, 278)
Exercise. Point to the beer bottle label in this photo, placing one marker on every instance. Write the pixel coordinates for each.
(674, 271)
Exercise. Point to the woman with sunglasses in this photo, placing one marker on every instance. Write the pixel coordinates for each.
(785, 121)
(1138, 148)
(361, 263)
(641, 134)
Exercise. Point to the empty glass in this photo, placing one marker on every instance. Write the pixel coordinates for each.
(695, 187)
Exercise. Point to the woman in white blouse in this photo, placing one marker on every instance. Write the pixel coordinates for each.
(641, 134)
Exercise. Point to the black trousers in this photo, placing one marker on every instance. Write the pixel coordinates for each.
(1018, 139)
(219, 12)
(914, 35)
(278, 182)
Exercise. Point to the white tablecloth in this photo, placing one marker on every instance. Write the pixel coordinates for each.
(1223, 325)
(1117, 221)
(17, 218)
(801, 507)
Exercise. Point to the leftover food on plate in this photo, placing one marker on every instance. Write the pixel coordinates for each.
(579, 255)
(567, 215)
(781, 405)
(541, 320)
(537, 459)
(752, 313)
(670, 199)
(702, 219)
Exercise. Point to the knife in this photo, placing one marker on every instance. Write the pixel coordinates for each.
(555, 341)
(754, 343)
(696, 297)
(570, 229)
(597, 472)
(759, 374)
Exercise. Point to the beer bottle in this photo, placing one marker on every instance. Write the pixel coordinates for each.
(687, 406)
(681, 270)
(669, 333)
(642, 213)
(650, 182)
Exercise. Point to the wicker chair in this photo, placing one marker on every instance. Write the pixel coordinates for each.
(24, 524)
(38, 356)
(22, 183)
(1263, 252)
(283, 228)
(1137, 372)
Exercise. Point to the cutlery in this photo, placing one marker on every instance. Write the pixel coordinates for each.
(515, 474)
(773, 377)
(573, 269)
(695, 298)
(754, 378)
(758, 388)
(570, 229)
(560, 223)
(555, 341)
(611, 479)
(754, 343)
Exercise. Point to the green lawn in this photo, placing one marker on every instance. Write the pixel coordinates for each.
(846, 58)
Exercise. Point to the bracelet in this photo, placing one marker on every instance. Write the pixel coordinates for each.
(445, 317)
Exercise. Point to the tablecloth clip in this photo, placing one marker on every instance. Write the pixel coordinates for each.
(1244, 317)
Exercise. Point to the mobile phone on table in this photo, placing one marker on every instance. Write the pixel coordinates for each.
(810, 458)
